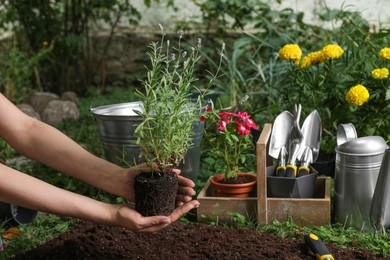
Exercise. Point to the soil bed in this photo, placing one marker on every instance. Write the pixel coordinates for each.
(179, 241)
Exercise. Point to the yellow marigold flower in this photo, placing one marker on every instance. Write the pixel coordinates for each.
(290, 52)
(304, 63)
(357, 95)
(331, 51)
(315, 57)
(385, 53)
(380, 73)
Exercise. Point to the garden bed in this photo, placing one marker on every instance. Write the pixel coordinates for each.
(178, 241)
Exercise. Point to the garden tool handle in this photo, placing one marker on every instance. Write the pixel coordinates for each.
(318, 247)
(307, 158)
(303, 170)
(291, 171)
(280, 171)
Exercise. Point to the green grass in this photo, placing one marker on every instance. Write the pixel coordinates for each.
(335, 234)
(44, 228)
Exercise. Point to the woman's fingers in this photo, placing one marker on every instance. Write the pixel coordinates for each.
(153, 224)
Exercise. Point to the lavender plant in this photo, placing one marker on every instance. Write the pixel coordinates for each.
(169, 112)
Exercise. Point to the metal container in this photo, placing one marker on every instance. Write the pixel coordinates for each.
(116, 125)
(17, 215)
(345, 133)
(358, 163)
(380, 206)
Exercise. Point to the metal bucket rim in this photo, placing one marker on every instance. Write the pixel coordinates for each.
(101, 111)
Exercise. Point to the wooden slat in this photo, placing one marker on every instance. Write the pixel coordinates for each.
(217, 208)
(261, 161)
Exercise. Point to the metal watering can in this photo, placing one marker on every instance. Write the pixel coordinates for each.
(362, 180)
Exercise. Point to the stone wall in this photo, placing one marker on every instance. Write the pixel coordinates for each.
(127, 53)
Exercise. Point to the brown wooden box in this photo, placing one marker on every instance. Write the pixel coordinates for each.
(218, 208)
(304, 212)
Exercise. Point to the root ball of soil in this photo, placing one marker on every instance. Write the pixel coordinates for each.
(155, 193)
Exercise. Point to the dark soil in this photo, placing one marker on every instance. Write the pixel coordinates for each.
(237, 180)
(155, 193)
(179, 241)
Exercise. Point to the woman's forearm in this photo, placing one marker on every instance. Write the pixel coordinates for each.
(23, 190)
(63, 154)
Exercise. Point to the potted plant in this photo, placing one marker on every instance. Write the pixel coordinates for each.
(168, 114)
(233, 144)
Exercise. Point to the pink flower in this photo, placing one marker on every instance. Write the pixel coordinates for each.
(203, 118)
(250, 123)
(246, 119)
(243, 115)
(242, 130)
(225, 115)
(222, 125)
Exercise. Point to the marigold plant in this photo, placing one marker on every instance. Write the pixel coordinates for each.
(347, 82)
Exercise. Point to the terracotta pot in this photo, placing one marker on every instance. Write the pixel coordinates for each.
(243, 190)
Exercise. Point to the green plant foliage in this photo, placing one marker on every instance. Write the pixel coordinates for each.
(168, 112)
(325, 85)
(254, 70)
(230, 142)
(18, 69)
(335, 234)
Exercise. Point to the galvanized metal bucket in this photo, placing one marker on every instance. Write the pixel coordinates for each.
(116, 125)
(17, 215)
(358, 162)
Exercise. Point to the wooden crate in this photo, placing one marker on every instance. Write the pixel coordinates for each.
(304, 212)
(218, 208)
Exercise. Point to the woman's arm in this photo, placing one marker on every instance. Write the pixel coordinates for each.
(44, 143)
(23, 190)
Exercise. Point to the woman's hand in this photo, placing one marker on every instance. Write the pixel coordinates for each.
(185, 190)
(134, 221)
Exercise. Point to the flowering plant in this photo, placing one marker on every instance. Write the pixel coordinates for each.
(346, 82)
(232, 139)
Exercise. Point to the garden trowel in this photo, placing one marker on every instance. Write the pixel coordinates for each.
(295, 144)
(280, 137)
(311, 133)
